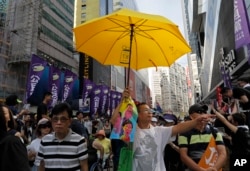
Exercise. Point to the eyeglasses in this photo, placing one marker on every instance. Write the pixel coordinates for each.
(62, 119)
(148, 111)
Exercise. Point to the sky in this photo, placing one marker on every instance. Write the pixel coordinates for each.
(170, 9)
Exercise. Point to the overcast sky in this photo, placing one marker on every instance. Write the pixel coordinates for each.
(170, 9)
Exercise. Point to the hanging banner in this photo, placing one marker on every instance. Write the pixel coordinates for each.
(55, 84)
(37, 66)
(113, 102)
(95, 99)
(241, 24)
(69, 78)
(84, 103)
(102, 110)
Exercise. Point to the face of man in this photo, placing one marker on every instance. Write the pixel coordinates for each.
(145, 113)
(228, 93)
(61, 123)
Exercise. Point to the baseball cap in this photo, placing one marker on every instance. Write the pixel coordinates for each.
(12, 100)
(197, 108)
(154, 119)
(170, 118)
(100, 132)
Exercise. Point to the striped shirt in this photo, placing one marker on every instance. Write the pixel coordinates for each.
(197, 141)
(63, 154)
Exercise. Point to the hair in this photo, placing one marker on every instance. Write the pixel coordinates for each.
(48, 93)
(61, 107)
(138, 106)
(11, 123)
(38, 128)
(247, 80)
(225, 90)
(240, 118)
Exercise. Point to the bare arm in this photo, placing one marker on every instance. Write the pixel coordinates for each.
(222, 156)
(188, 125)
(84, 165)
(99, 147)
(244, 99)
(41, 166)
(225, 121)
(188, 161)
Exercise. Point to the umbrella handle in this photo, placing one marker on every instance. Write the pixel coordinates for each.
(130, 49)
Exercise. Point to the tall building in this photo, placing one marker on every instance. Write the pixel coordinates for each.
(43, 28)
(174, 89)
(221, 27)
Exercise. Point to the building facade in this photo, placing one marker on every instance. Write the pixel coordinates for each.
(218, 33)
(43, 28)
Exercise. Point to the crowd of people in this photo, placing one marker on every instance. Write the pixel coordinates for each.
(210, 138)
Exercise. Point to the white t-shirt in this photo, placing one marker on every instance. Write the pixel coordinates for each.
(34, 146)
(148, 148)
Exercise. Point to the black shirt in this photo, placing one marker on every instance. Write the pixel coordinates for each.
(238, 92)
(41, 110)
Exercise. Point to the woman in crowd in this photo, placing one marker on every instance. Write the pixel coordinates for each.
(13, 154)
(43, 128)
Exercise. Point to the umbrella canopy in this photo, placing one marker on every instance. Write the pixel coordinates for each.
(131, 39)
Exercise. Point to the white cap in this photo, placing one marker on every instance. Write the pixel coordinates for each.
(154, 119)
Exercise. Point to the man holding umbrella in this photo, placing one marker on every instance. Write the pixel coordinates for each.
(150, 141)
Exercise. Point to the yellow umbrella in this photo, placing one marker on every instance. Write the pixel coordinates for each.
(131, 39)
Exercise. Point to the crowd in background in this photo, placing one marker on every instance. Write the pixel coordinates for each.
(229, 126)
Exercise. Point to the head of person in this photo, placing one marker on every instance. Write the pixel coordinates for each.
(154, 121)
(12, 101)
(61, 115)
(238, 119)
(47, 96)
(170, 119)
(196, 110)
(7, 119)
(79, 115)
(145, 113)
(226, 92)
(43, 128)
(100, 134)
(127, 127)
(242, 82)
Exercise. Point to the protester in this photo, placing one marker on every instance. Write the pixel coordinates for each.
(13, 154)
(149, 142)
(244, 83)
(43, 128)
(63, 149)
(240, 139)
(171, 152)
(193, 144)
(42, 108)
(242, 95)
(107, 128)
(154, 121)
(77, 125)
(106, 145)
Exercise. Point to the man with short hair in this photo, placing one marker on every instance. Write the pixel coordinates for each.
(244, 83)
(63, 149)
(42, 109)
(149, 142)
(193, 144)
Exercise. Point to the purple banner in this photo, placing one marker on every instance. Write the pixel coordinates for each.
(69, 79)
(118, 98)
(225, 77)
(113, 102)
(55, 84)
(37, 66)
(95, 99)
(88, 86)
(103, 99)
(241, 24)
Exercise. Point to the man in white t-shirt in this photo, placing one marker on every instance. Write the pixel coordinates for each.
(150, 141)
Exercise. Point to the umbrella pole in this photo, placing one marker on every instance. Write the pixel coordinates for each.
(130, 49)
